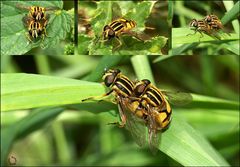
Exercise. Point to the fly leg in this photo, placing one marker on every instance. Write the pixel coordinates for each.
(29, 38)
(98, 97)
(201, 36)
(121, 113)
(195, 31)
(119, 43)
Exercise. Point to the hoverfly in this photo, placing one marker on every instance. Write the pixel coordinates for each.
(200, 26)
(140, 104)
(151, 103)
(36, 21)
(36, 12)
(119, 26)
(214, 22)
(35, 28)
(122, 88)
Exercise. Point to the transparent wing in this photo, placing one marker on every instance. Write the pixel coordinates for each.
(51, 8)
(135, 125)
(178, 98)
(154, 136)
(140, 36)
(116, 11)
(26, 20)
(20, 6)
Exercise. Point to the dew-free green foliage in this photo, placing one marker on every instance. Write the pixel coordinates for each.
(14, 39)
(52, 91)
(108, 11)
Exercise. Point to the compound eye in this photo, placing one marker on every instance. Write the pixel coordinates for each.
(117, 71)
(109, 80)
(146, 81)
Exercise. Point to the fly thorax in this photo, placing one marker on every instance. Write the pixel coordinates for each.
(108, 32)
(110, 77)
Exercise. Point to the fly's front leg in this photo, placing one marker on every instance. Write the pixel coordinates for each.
(28, 37)
(98, 97)
(195, 31)
(119, 45)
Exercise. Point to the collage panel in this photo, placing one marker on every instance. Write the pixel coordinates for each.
(98, 95)
(123, 27)
(60, 108)
(210, 27)
(37, 27)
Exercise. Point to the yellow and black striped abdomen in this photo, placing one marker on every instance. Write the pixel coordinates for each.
(117, 25)
(153, 97)
(164, 116)
(123, 86)
(37, 12)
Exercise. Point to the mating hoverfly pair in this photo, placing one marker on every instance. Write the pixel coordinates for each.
(141, 104)
(35, 21)
(210, 25)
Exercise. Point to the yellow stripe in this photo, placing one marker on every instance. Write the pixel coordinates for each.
(122, 20)
(159, 102)
(155, 89)
(127, 80)
(115, 29)
(129, 91)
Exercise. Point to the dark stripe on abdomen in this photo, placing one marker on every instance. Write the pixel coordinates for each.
(118, 28)
(156, 94)
(125, 82)
(115, 24)
(122, 88)
(152, 98)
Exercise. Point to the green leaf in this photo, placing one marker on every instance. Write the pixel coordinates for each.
(202, 120)
(35, 120)
(14, 34)
(22, 91)
(201, 101)
(231, 14)
(187, 146)
(139, 13)
(180, 36)
(84, 41)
